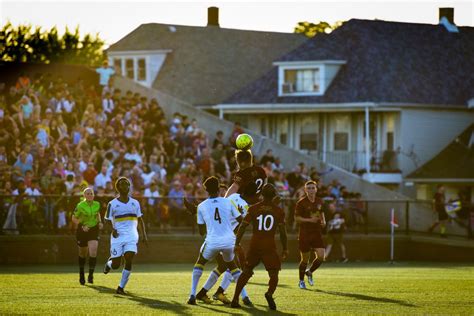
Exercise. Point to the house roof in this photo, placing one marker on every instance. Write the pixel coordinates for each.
(456, 161)
(388, 62)
(208, 64)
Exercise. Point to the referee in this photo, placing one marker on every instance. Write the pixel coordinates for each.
(88, 221)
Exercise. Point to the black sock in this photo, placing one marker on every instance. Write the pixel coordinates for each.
(315, 265)
(302, 269)
(92, 262)
(82, 262)
(220, 290)
(202, 292)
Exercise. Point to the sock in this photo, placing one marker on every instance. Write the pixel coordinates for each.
(197, 272)
(92, 262)
(82, 262)
(226, 279)
(443, 229)
(316, 263)
(109, 264)
(302, 270)
(272, 283)
(125, 276)
(243, 294)
(211, 280)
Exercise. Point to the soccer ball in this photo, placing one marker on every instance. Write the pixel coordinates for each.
(244, 142)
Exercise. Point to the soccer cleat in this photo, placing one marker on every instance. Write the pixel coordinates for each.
(221, 297)
(302, 285)
(120, 291)
(235, 304)
(106, 268)
(204, 298)
(247, 301)
(90, 278)
(192, 300)
(310, 277)
(82, 279)
(270, 301)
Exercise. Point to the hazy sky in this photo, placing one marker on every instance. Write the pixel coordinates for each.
(114, 19)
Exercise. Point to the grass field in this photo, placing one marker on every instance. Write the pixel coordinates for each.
(353, 288)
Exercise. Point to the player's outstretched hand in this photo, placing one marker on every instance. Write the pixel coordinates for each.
(284, 254)
(115, 233)
(190, 207)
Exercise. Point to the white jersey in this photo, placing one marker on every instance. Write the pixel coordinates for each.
(240, 205)
(217, 214)
(124, 218)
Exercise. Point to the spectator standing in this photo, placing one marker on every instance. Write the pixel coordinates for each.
(105, 72)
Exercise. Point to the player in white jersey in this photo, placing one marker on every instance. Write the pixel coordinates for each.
(240, 204)
(125, 215)
(214, 218)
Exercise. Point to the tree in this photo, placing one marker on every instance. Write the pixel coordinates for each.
(310, 29)
(25, 44)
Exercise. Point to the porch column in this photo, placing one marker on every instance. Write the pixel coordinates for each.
(221, 113)
(367, 141)
(325, 135)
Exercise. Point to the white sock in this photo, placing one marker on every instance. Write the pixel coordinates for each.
(109, 264)
(125, 276)
(226, 279)
(243, 294)
(197, 272)
(211, 280)
(236, 274)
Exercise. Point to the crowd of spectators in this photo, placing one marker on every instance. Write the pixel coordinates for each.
(57, 138)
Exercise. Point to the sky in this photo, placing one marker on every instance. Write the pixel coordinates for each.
(115, 19)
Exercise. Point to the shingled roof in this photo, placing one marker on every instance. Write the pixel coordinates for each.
(385, 62)
(208, 64)
(456, 161)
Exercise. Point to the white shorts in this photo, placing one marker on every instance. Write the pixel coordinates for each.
(210, 252)
(120, 246)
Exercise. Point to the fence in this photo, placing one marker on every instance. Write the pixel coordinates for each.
(52, 214)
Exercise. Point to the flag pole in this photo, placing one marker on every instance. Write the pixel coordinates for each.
(392, 234)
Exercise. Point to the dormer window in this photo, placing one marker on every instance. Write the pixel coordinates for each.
(306, 78)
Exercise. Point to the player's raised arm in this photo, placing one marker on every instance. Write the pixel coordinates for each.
(234, 188)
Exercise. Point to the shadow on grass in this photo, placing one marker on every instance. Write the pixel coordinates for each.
(285, 286)
(177, 307)
(368, 298)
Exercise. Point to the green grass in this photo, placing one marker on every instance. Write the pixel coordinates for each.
(354, 288)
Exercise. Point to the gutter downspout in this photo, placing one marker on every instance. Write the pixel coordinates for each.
(367, 142)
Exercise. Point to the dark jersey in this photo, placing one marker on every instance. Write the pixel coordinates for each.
(244, 177)
(265, 218)
(306, 209)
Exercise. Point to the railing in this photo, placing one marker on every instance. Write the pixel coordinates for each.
(354, 161)
(52, 214)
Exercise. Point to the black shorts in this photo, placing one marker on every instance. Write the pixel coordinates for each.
(83, 237)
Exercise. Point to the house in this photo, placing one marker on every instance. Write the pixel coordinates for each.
(376, 98)
(200, 65)
(452, 167)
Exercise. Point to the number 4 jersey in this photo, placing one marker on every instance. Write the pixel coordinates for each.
(218, 214)
(265, 218)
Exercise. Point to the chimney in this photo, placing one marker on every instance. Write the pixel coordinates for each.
(448, 13)
(213, 16)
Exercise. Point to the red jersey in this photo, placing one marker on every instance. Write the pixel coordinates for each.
(249, 175)
(306, 209)
(265, 218)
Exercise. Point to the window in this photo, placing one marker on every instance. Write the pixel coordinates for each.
(341, 141)
(301, 81)
(141, 69)
(309, 132)
(129, 71)
(118, 65)
(341, 124)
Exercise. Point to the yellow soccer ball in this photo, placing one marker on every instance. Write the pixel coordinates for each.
(244, 142)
